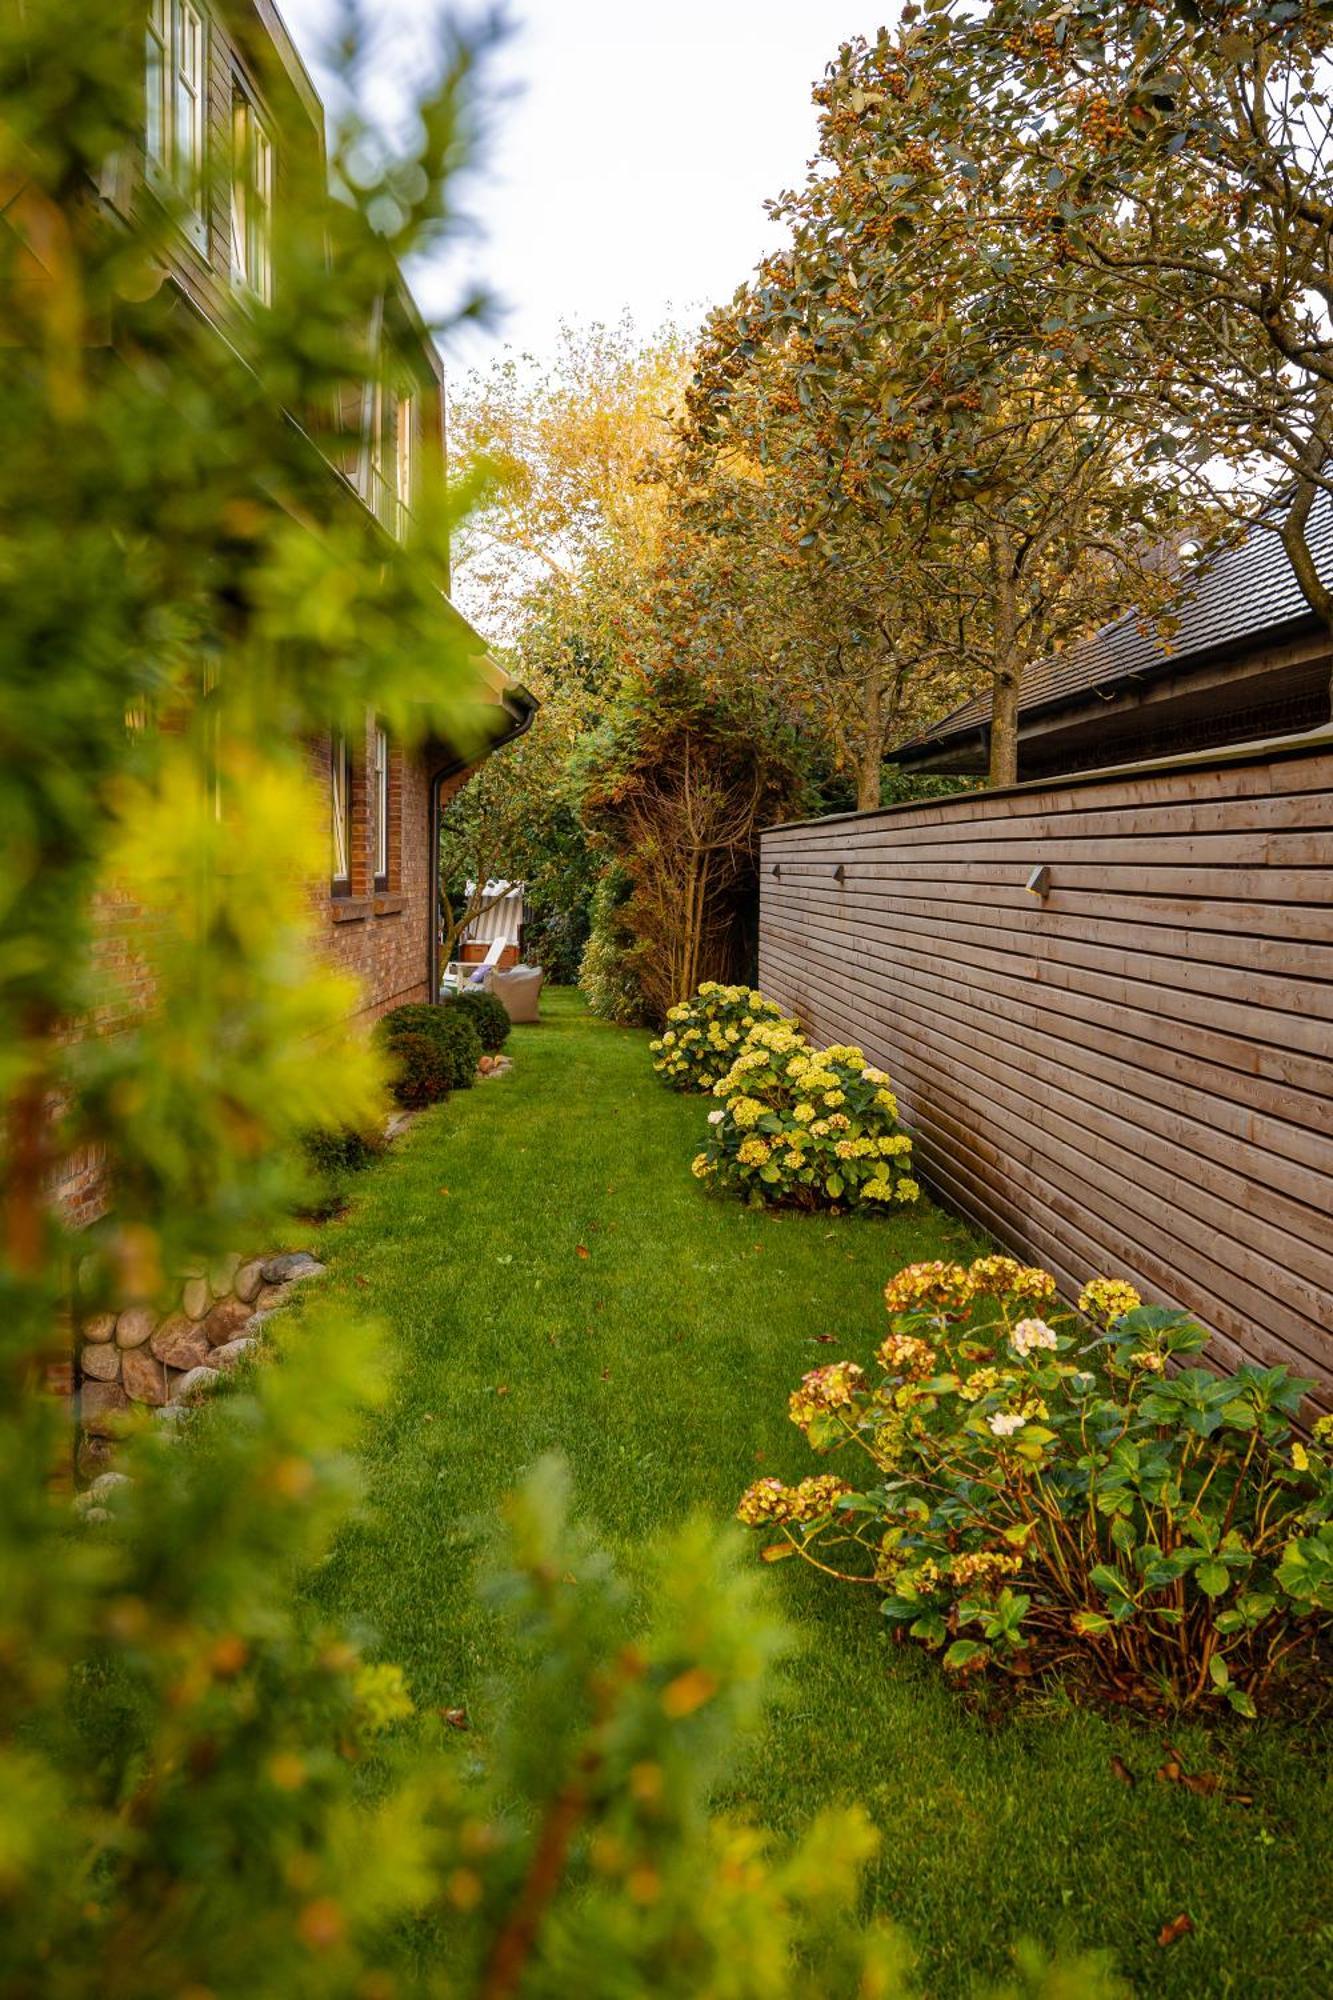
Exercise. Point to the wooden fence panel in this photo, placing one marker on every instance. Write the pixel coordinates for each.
(1133, 1074)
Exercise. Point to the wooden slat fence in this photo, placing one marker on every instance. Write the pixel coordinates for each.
(1133, 1075)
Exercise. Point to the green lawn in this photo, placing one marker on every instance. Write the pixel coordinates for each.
(659, 1362)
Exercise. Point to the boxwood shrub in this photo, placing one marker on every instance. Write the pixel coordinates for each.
(487, 1014)
(449, 1033)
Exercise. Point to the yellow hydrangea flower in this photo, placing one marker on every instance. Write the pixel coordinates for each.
(1108, 1299)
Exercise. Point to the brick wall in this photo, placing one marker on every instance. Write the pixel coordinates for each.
(381, 934)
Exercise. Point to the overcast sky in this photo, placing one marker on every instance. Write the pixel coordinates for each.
(631, 165)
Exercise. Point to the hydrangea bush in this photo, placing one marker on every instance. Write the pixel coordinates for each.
(705, 1033)
(805, 1127)
(1046, 1487)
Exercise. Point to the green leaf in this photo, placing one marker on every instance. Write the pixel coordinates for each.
(1242, 1703)
(1213, 1578)
(963, 1652)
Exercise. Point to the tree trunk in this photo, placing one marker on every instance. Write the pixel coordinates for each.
(1008, 667)
(1295, 527)
(871, 762)
(1004, 731)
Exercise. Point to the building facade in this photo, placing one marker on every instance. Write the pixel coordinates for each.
(232, 121)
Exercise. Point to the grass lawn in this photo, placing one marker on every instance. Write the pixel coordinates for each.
(659, 1362)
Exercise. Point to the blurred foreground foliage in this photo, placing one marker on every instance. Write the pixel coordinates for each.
(203, 1790)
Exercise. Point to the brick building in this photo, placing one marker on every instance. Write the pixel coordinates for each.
(231, 121)
(232, 126)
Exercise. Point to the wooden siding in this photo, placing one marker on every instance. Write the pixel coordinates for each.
(1134, 1076)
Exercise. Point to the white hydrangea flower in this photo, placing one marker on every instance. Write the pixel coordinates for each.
(1005, 1422)
(1030, 1334)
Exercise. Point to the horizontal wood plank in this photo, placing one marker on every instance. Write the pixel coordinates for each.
(1134, 1074)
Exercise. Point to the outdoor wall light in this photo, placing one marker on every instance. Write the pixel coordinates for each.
(840, 873)
(1039, 883)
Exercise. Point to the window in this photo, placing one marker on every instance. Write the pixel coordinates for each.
(251, 199)
(176, 60)
(406, 457)
(381, 809)
(158, 70)
(340, 806)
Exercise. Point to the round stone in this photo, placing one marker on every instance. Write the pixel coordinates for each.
(135, 1326)
(181, 1342)
(102, 1326)
(196, 1383)
(100, 1364)
(144, 1376)
(196, 1297)
(248, 1280)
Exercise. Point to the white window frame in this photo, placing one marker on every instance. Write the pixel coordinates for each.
(176, 103)
(251, 197)
(405, 457)
(157, 72)
(381, 806)
(340, 810)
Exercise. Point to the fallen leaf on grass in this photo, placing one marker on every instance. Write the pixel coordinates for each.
(1177, 1928)
(580, 1250)
(1202, 1782)
(363, 1282)
(776, 1552)
(502, 1388)
(456, 1718)
(688, 1692)
(825, 1339)
(1122, 1771)
(606, 1374)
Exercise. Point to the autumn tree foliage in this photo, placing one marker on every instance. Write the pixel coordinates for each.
(1168, 199)
(923, 418)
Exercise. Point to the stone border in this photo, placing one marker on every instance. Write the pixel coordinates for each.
(166, 1360)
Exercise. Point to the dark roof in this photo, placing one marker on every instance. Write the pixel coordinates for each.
(1245, 593)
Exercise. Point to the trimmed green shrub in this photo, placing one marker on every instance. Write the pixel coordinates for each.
(423, 1073)
(450, 1031)
(460, 1044)
(487, 1014)
(344, 1149)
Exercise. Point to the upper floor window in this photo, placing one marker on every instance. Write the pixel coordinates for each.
(176, 54)
(340, 809)
(406, 457)
(251, 199)
(381, 808)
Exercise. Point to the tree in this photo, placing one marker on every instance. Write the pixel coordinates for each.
(559, 449)
(677, 785)
(966, 430)
(1171, 195)
(841, 611)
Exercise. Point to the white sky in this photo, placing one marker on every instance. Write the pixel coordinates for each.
(630, 167)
